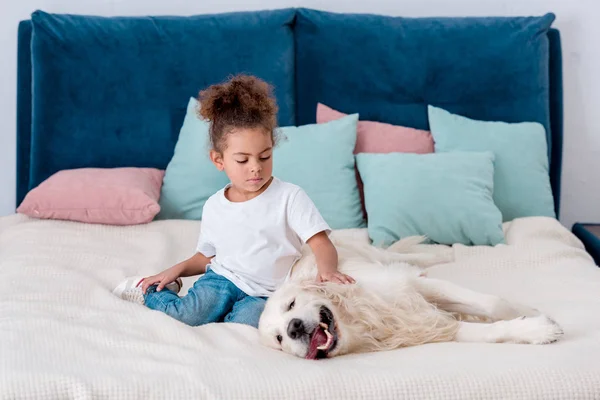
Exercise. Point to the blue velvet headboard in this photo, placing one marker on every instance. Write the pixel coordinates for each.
(123, 83)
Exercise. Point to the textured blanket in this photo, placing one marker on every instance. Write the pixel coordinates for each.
(64, 335)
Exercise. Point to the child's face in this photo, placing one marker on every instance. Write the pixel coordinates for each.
(247, 159)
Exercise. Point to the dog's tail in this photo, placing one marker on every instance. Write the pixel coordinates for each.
(413, 250)
(407, 244)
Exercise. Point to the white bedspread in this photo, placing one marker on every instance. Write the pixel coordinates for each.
(64, 335)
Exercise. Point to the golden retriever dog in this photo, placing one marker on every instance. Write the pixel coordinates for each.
(392, 305)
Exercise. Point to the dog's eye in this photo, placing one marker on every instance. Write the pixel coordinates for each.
(279, 338)
(292, 304)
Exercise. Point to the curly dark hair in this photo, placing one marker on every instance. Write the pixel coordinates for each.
(244, 101)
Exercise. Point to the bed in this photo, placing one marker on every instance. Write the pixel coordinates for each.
(65, 335)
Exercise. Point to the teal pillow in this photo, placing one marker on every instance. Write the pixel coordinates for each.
(445, 196)
(521, 178)
(190, 177)
(318, 157)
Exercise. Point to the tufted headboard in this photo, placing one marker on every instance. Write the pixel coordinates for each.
(124, 82)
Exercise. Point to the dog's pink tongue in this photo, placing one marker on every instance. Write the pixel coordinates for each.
(319, 338)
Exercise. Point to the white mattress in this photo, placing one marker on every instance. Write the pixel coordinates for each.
(64, 335)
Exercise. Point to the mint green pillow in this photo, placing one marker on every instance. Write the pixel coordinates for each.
(445, 196)
(521, 179)
(318, 157)
(190, 177)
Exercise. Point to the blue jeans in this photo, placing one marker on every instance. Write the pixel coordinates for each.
(213, 298)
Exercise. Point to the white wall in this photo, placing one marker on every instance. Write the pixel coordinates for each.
(577, 20)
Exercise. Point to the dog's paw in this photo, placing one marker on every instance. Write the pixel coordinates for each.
(535, 330)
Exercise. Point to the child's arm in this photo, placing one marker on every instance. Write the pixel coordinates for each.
(327, 259)
(195, 265)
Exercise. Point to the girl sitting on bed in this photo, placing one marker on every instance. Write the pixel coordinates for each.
(252, 229)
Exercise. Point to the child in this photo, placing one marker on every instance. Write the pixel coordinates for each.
(252, 229)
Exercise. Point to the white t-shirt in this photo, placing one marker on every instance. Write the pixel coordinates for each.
(256, 242)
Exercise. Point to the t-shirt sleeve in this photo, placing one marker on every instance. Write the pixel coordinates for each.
(205, 240)
(304, 218)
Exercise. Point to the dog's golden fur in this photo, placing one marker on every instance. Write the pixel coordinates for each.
(393, 304)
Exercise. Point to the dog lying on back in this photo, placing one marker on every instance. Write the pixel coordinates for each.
(392, 305)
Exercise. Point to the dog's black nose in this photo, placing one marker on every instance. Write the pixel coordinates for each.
(295, 328)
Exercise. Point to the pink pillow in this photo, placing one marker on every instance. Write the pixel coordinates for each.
(379, 137)
(113, 196)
